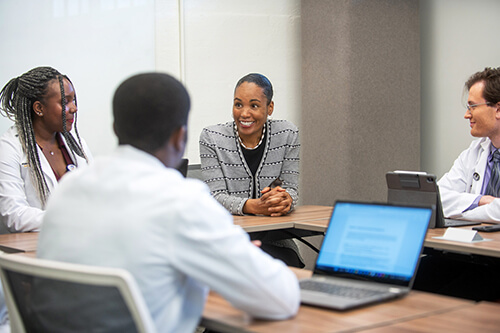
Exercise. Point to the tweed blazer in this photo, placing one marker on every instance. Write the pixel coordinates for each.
(225, 171)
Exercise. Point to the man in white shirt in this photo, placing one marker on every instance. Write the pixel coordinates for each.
(135, 211)
(464, 189)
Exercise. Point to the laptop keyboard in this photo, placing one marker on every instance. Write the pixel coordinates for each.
(339, 290)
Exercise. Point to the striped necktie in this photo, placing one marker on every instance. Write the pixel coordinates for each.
(493, 187)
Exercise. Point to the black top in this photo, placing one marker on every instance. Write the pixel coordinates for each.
(253, 157)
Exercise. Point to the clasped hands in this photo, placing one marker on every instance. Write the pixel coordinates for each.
(273, 202)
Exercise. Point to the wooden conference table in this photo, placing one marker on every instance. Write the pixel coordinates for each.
(419, 311)
(307, 218)
(316, 218)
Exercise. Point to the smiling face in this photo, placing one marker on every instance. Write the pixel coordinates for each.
(250, 112)
(48, 112)
(484, 119)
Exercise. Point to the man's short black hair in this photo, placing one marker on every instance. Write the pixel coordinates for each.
(148, 108)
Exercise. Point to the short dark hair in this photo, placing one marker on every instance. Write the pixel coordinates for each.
(491, 79)
(261, 81)
(148, 108)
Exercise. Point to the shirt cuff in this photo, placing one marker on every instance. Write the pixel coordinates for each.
(474, 204)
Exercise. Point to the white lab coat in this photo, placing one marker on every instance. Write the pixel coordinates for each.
(462, 185)
(20, 206)
(130, 211)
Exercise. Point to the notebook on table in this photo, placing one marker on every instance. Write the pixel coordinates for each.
(370, 253)
(420, 188)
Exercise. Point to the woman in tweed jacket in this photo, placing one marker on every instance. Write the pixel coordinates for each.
(251, 164)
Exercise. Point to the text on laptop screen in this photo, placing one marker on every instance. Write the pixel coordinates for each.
(374, 240)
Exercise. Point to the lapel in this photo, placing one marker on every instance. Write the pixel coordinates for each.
(49, 175)
(480, 167)
(47, 169)
(77, 160)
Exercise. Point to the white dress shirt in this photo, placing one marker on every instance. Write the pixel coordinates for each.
(130, 211)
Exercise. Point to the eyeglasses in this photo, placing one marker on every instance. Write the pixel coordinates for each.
(471, 107)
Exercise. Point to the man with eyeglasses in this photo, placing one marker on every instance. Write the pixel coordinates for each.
(471, 189)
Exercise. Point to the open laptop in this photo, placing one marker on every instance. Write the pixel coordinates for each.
(420, 188)
(370, 253)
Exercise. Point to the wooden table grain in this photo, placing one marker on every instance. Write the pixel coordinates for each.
(19, 242)
(301, 214)
(219, 315)
(483, 317)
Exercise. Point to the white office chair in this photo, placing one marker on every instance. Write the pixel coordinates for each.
(49, 296)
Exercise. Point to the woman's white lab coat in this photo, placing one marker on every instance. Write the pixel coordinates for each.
(20, 206)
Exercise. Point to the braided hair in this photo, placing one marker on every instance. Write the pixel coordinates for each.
(16, 100)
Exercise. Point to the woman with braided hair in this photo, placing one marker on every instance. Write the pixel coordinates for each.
(39, 149)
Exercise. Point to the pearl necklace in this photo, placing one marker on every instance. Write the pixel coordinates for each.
(261, 139)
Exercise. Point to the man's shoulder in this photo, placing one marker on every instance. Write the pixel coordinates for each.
(183, 191)
(479, 144)
(193, 198)
(166, 189)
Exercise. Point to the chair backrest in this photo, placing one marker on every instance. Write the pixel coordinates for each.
(183, 167)
(49, 296)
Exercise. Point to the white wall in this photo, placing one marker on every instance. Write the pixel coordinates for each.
(209, 45)
(458, 38)
(227, 39)
(96, 43)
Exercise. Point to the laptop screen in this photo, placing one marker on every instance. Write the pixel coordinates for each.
(371, 241)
